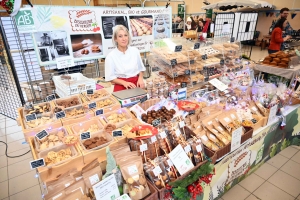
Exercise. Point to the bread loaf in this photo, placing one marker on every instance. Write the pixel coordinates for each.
(273, 63)
(266, 62)
(276, 60)
(285, 60)
(273, 55)
(283, 65)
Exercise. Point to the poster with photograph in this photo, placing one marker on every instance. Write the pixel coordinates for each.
(51, 45)
(88, 45)
(85, 33)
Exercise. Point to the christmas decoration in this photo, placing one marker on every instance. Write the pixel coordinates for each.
(190, 187)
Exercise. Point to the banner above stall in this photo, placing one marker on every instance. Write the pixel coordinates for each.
(85, 33)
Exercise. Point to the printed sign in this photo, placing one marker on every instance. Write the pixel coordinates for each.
(107, 188)
(24, 20)
(60, 115)
(236, 138)
(180, 160)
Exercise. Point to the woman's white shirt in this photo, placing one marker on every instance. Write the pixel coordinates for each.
(123, 65)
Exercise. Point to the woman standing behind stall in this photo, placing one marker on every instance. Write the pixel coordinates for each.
(200, 26)
(123, 65)
(276, 38)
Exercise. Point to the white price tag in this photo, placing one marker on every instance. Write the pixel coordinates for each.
(214, 130)
(218, 84)
(187, 148)
(236, 138)
(209, 123)
(163, 134)
(157, 170)
(153, 139)
(204, 137)
(212, 136)
(199, 148)
(64, 62)
(227, 119)
(169, 162)
(233, 117)
(177, 132)
(143, 147)
(181, 124)
(220, 128)
(254, 109)
(272, 115)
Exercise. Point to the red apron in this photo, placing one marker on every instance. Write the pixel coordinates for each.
(133, 80)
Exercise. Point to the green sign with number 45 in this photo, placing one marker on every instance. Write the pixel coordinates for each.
(24, 21)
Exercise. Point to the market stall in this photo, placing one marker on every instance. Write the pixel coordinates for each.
(202, 123)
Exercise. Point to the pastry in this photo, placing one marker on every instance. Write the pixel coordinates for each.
(95, 49)
(160, 29)
(85, 51)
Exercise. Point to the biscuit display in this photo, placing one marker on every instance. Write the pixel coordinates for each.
(94, 142)
(69, 102)
(104, 103)
(92, 129)
(53, 139)
(74, 112)
(56, 157)
(39, 122)
(116, 117)
(38, 109)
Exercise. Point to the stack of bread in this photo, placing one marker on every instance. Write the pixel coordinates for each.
(278, 59)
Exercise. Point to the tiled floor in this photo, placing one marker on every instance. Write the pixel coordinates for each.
(278, 179)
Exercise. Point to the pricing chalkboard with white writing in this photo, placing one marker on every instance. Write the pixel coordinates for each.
(85, 135)
(42, 134)
(99, 112)
(37, 163)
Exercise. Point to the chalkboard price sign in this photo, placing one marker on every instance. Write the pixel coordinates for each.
(232, 39)
(90, 91)
(30, 117)
(99, 112)
(175, 74)
(173, 62)
(92, 105)
(42, 134)
(50, 97)
(37, 163)
(222, 62)
(178, 48)
(117, 133)
(183, 85)
(192, 62)
(197, 45)
(142, 100)
(86, 135)
(60, 115)
(193, 72)
(187, 72)
(156, 122)
(192, 112)
(194, 82)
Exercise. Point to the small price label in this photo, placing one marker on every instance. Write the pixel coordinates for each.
(170, 163)
(92, 105)
(183, 85)
(192, 62)
(143, 147)
(194, 82)
(28, 106)
(42, 134)
(187, 148)
(153, 139)
(117, 133)
(50, 97)
(157, 170)
(232, 39)
(187, 72)
(178, 48)
(192, 112)
(173, 62)
(181, 124)
(37, 163)
(197, 45)
(60, 115)
(222, 62)
(30, 117)
(90, 91)
(177, 132)
(142, 100)
(204, 57)
(85, 135)
(206, 79)
(156, 122)
(163, 134)
(193, 72)
(199, 148)
(99, 112)
(175, 74)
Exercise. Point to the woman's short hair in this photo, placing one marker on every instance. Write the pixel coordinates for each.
(116, 30)
(280, 23)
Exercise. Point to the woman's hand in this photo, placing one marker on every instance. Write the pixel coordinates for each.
(140, 82)
(128, 85)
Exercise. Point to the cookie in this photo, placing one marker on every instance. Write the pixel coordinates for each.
(87, 142)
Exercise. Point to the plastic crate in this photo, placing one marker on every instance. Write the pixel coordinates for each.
(77, 84)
